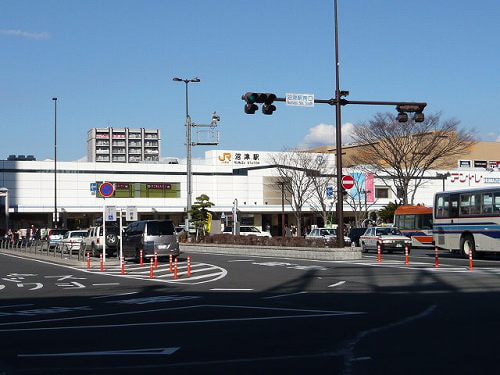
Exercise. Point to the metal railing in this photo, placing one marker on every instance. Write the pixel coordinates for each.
(75, 250)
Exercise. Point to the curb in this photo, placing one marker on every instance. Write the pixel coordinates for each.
(57, 260)
(346, 253)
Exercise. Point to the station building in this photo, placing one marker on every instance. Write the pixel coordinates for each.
(158, 190)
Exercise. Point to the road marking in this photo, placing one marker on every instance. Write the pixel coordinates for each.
(284, 295)
(22, 305)
(336, 284)
(361, 359)
(240, 260)
(314, 314)
(102, 284)
(152, 351)
(115, 295)
(230, 290)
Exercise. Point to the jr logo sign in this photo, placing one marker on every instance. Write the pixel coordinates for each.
(225, 157)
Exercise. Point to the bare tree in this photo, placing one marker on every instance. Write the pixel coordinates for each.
(321, 178)
(293, 168)
(405, 152)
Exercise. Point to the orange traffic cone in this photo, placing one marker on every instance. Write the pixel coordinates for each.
(189, 266)
(141, 258)
(176, 276)
(123, 267)
(471, 263)
(407, 256)
(379, 253)
(156, 260)
(102, 264)
(151, 270)
(436, 258)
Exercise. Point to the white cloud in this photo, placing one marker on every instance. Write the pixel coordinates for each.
(25, 34)
(324, 134)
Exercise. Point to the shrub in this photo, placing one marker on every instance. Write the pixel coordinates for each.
(229, 239)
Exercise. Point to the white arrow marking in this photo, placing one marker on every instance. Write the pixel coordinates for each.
(336, 284)
(152, 351)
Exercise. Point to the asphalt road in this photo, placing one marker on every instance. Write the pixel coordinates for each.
(240, 314)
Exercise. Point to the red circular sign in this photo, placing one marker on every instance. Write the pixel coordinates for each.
(347, 182)
(106, 189)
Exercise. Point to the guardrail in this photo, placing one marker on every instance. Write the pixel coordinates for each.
(44, 247)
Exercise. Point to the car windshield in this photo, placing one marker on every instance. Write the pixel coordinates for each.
(388, 231)
(78, 234)
(57, 232)
(160, 228)
(250, 229)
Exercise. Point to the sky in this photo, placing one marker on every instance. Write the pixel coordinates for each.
(111, 63)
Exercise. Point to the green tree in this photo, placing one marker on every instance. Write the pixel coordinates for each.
(200, 213)
(387, 213)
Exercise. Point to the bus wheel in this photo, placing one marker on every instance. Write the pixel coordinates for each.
(467, 245)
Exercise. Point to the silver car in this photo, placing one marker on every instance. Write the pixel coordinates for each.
(326, 234)
(151, 236)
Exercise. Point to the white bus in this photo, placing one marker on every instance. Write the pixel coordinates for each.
(468, 220)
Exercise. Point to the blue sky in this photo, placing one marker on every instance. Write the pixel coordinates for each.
(112, 63)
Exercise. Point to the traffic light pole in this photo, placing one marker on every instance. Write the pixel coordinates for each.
(402, 107)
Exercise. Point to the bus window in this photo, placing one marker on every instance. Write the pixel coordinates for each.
(465, 204)
(496, 204)
(407, 222)
(454, 198)
(442, 205)
(487, 203)
(425, 221)
(475, 204)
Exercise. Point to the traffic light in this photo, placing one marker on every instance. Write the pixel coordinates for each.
(268, 108)
(404, 109)
(266, 99)
(251, 98)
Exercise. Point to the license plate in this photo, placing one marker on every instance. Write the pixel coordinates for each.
(162, 246)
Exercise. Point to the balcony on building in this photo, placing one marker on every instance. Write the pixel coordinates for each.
(132, 150)
(119, 150)
(119, 143)
(102, 150)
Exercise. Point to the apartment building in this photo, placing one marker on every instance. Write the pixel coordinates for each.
(123, 145)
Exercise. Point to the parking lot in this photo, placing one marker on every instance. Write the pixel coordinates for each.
(253, 314)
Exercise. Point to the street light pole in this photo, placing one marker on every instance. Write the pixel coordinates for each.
(55, 163)
(189, 144)
(338, 131)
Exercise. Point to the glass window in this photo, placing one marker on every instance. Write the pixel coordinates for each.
(160, 228)
(475, 204)
(465, 204)
(442, 205)
(381, 192)
(454, 198)
(425, 221)
(487, 203)
(496, 204)
(407, 222)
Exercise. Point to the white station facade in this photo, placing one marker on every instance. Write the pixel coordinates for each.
(159, 190)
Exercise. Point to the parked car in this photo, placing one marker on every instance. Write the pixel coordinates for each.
(94, 240)
(326, 234)
(55, 236)
(249, 230)
(389, 238)
(152, 236)
(72, 240)
(355, 234)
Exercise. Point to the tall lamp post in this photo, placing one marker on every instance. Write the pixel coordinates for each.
(189, 145)
(56, 221)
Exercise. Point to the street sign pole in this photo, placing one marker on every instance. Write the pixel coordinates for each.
(121, 236)
(104, 230)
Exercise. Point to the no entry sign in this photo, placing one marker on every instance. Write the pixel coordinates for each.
(347, 182)
(106, 189)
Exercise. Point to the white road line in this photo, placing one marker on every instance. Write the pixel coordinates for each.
(185, 272)
(240, 260)
(152, 351)
(102, 284)
(336, 284)
(230, 289)
(21, 305)
(228, 320)
(285, 295)
(115, 295)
